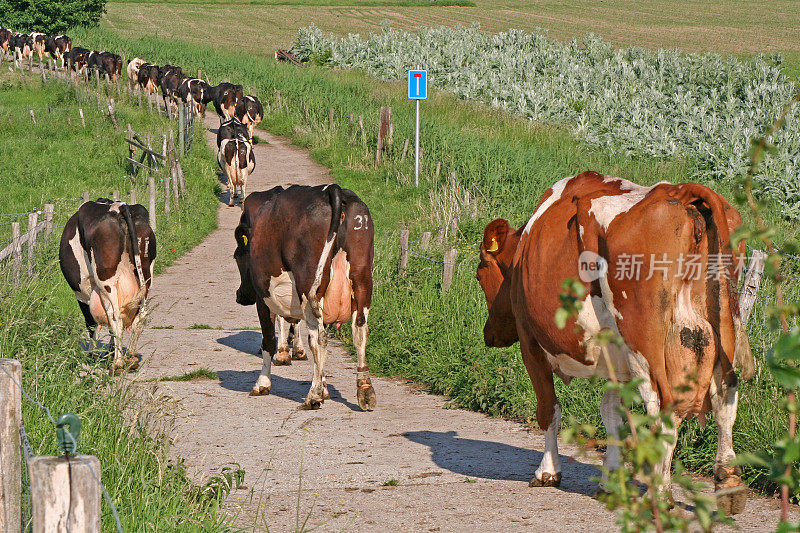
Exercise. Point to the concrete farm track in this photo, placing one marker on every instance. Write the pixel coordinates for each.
(456, 470)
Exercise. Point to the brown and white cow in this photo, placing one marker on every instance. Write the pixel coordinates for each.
(38, 39)
(235, 157)
(306, 253)
(147, 78)
(681, 330)
(225, 96)
(193, 91)
(5, 41)
(249, 112)
(133, 71)
(57, 47)
(107, 253)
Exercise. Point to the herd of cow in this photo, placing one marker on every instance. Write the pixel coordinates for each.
(306, 253)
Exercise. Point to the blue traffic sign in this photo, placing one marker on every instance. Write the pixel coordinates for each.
(417, 84)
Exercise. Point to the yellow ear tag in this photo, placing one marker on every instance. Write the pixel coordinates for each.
(494, 247)
(244, 239)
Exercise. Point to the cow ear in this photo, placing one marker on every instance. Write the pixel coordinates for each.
(242, 237)
(494, 236)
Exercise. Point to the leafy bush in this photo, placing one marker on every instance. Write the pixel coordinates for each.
(640, 102)
(50, 16)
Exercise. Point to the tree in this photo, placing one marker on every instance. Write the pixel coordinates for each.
(49, 16)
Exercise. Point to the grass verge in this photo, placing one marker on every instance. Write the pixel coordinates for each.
(506, 164)
(40, 323)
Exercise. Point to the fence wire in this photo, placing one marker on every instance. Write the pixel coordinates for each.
(29, 452)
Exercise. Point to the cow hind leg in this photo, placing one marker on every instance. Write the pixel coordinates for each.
(365, 392)
(282, 357)
(318, 341)
(264, 383)
(729, 489)
(612, 420)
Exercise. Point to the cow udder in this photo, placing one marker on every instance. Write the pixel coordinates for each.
(126, 288)
(337, 305)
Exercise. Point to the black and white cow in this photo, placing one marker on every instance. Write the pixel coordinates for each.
(235, 157)
(225, 96)
(105, 63)
(22, 46)
(306, 253)
(5, 41)
(77, 60)
(193, 91)
(169, 82)
(57, 47)
(249, 112)
(147, 78)
(38, 40)
(107, 253)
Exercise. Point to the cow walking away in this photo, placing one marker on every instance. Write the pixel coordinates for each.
(107, 253)
(77, 59)
(249, 112)
(5, 41)
(225, 96)
(306, 253)
(681, 333)
(57, 47)
(38, 40)
(235, 157)
(148, 78)
(22, 46)
(133, 71)
(193, 91)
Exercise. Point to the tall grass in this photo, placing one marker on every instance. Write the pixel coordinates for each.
(507, 163)
(39, 320)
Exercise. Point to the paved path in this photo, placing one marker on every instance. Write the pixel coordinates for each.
(455, 470)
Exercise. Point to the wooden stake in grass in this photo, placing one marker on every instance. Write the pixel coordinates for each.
(132, 200)
(48, 219)
(10, 451)
(151, 206)
(85, 196)
(33, 117)
(115, 196)
(425, 240)
(401, 267)
(384, 118)
(438, 168)
(83, 122)
(278, 101)
(448, 268)
(65, 493)
(166, 180)
(405, 151)
(330, 119)
(755, 269)
(16, 251)
(33, 221)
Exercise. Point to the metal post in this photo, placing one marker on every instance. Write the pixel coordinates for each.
(416, 150)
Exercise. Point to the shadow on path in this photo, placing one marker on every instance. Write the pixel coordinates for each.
(495, 460)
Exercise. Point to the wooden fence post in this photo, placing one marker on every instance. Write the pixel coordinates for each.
(33, 117)
(151, 190)
(401, 268)
(132, 200)
(85, 196)
(173, 171)
(16, 251)
(10, 452)
(112, 112)
(363, 133)
(438, 168)
(166, 178)
(405, 150)
(448, 268)
(49, 210)
(330, 119)
(440, 235)
(33, 221)
(83, 122)
(752, 280)
(425, 240)
(65, 493)
(384, 118)
(115, 196)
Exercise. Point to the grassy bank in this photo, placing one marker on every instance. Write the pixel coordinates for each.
(506, 164)
(40, 323)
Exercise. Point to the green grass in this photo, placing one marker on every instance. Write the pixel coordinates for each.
(40, 323)
(507, 163)
(201, 373)
(390, 483)
(356, 3)
(200, 326)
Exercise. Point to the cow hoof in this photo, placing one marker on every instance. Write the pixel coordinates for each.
(366, 398)
(548, 480)
(282, 359)
(259, 391)
(729, 490)
(300, 355)
(312, 403)
(325, 394)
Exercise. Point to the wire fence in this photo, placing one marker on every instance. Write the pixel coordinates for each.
(28, 454)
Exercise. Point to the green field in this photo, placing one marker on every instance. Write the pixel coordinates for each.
(40, 323)
(506, 163)
(724, 26)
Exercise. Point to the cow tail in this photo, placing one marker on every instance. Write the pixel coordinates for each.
(335, 196)
(731, 331)
(137, 259)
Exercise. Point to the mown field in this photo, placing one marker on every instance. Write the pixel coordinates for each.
(726, 26)
(40, 323)
(506, 163)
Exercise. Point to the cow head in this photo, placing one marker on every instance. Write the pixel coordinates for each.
(494, 274)
(245, 294)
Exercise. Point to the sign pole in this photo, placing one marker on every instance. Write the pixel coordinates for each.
(416, 150)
